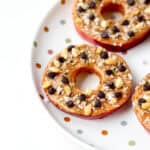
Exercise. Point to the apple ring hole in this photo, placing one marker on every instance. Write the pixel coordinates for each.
(112, 11)
(87, 79)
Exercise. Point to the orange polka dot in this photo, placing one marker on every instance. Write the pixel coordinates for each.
(62, 2)
(104, 132)
(38, 65)
(46, 29)
(67, 119)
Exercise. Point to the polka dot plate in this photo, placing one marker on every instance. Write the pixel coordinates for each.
(121, 130)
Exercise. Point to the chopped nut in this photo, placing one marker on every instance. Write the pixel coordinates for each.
(78, 21)
(75, 52)
(118, 83)
(146, 105)
(104, 23)
(88, 109)
(64, 53)
(138, 26)
(56, 63)
(54, 69)
(147, 10)
(88, 92)
(98, 50)
(67, 90)
(148, 99)
(110, 61)
(46, 84)
(113, 101)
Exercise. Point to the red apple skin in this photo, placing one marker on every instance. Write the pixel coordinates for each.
(109, 46)
(89, 117)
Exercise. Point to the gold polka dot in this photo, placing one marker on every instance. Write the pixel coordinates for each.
(67, 119)
(38, 65)
(62, 2)
(46, 29)
(104, 132)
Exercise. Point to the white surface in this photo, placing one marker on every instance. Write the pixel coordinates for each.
(24, 122)
(90, 129)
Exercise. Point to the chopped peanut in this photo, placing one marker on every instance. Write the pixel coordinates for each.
(146, 105)
(46, 84)
(88, 109)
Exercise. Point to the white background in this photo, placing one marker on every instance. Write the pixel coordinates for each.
(24, 122)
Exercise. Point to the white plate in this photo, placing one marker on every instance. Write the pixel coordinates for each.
(123, 130)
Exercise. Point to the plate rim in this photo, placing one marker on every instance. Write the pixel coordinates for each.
(58, 125)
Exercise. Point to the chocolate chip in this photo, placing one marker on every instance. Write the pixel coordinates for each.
(141, 101)
(146, 87)
(82, 97)
(51, 75)
(115, 29)
(70, 48)
(141, 18)
(97, 103)
(104, 55)
(92, 5)
(70, 103)
(104, 35)
(109, 72)
(61, 59)
(51, 90)
(146, 1)
(121, 68)
(84, 55)
(125, 23)
(131, 33)
(92, 17)
(65, 80)
(80, 9)
(131, 2)
(101, 94)
(118, 95)
(111, 85)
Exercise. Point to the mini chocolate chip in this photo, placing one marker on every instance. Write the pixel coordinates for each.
(140, 18)
(97, 103)
(121, 68)
(65, 80)
(84, 55)
(61, 59)
(92, 5)
(131, 2)
(115, 29)
(109, 72)
(82, 97)
(101, 94)
(51, 75)
(118, 94)
(104, 55)
(141, 101)
(92, 17)
(104, 35)
(131, 33)
(51, 90)
(70, 48)
(111, 85)
(80, 9)
(146, 87)
(125, 23)
(146, 1)
(70, 103)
